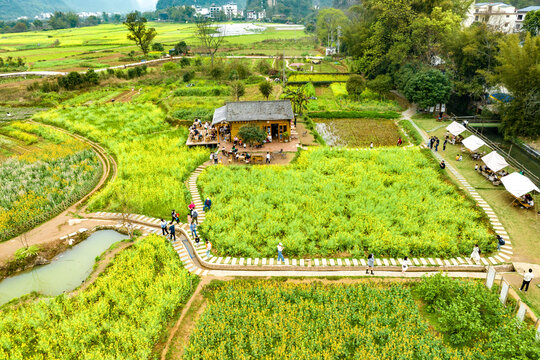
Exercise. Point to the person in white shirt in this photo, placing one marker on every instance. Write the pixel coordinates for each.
(268, 158)
(371, 145)
(475, 255)
(164, 230)
(280, 253)
(527, 278)
(208, 248)
(405, 264)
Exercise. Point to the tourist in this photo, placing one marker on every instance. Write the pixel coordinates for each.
(172, 230)
(193, 229)
(234, 149)
(211, 157)
(173, 215)
(444, 144)
(197, 240)
(399, 141)
(405, 264)
(371, 146)
(194, 217)
(431, 141)
(527, 278)
(370, 263)
(207, 204)
(500, 242)
(208, 248)
(235, 142)
(164, 230)
(191, 206)
(476, 167)
(280, 253)
(267, 157)
(436, 144)
(475, 255)
(215, 158)
(442, 164)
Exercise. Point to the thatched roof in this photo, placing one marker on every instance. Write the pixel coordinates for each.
(254, 111)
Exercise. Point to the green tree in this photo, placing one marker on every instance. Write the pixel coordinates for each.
(328, 21)
(237, 90)
(519, 72)
(532, 22)
(181, 48)
(142, 36)
(428, 88)
(251, 134)
(382, 84)
(265, 89)
(355, 86)
(209, 37)
(157, 47)
(298, 98)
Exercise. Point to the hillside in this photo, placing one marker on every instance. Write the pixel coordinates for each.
(12, 9)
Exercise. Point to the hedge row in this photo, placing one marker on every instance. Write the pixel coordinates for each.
(354, 114)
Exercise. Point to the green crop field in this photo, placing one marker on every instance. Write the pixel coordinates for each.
(390, 202)
(104, 45)
(247, 319)
(152, 157)
(121, 316)
(42, 171)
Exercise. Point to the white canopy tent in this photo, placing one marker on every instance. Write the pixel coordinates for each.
(518, 185)
(494, 161)
(473, 142)
(455, 128)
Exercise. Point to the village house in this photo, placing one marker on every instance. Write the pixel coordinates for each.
(274, 117)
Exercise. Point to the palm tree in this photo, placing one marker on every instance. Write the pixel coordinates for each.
(298, 99)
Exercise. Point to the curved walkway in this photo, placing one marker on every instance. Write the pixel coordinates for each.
(65, 222)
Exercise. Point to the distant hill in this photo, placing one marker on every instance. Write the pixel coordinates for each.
(12, 9)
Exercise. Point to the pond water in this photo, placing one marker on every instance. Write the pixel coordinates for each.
(65, 272)
(236, 29)
(328, 133)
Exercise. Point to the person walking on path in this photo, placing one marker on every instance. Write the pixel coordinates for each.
(370, 263)
(475, 255)
(405, 265)
(192, 205)
(208, 249)
(527, 278)
(500, 242)
(207, 204)
(280, 253)
(194, 217)
(371, 146)
(267, 157)
(173, 215)
(444, 144)
(399, 141)
(193, 229)
(172, 230)
(436, 144)
(215, 158)
(164, 230)
(177, 218)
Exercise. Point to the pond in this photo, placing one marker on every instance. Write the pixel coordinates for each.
(65, 272)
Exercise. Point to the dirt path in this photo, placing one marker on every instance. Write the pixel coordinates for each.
(66, 222)
(186, 322)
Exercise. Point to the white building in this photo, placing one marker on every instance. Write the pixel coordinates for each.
(251, 15)
(214, 11)
(230, 10)
(520, 16)
(200, 11)
(497, 15)
(261, 14)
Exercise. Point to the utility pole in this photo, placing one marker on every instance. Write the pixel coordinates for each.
(283, 75)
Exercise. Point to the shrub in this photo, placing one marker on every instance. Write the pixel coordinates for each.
(355, 85)
(381, 84)
(251, 134)
(428, 88)
(188, 76)
(263, 67)
(411, 131)
(185, 62)
(216, 73)
(169, 66)
(157, 47)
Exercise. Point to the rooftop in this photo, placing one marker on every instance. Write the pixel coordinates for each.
(253, 111)
(529, 8)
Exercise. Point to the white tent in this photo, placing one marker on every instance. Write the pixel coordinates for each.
(518, 185)
(473, 142)
(494, 161)
(455, 128)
